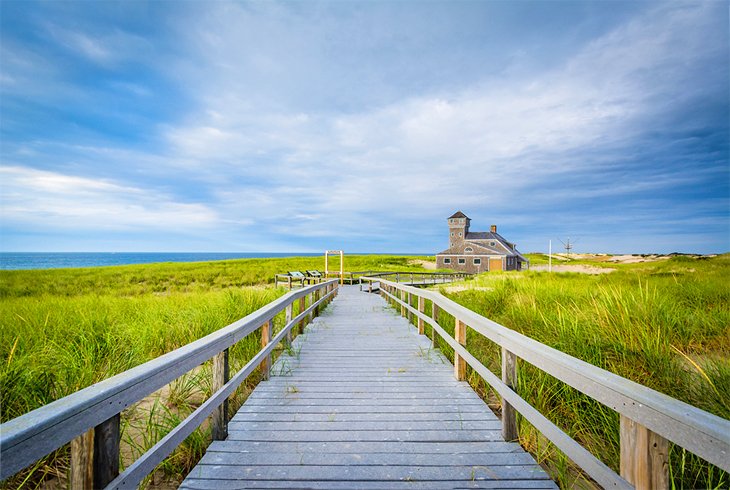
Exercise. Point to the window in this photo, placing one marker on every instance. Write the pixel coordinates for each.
(447, 260)
(462, 261)
(468, 249)
(452, 233)
(491, 244)
(459, 233)
(477, 261)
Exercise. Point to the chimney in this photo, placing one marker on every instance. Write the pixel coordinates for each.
(493, 229)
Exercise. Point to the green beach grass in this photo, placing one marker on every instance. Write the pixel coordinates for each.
(664, 324)
(62, 330)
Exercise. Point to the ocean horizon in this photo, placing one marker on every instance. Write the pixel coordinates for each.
(63, 260)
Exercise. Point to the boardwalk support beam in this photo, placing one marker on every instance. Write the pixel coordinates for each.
(81, 472)
(265, 339)
(510, 431)
(459, 362)
(435, 317)
(421, 306)
(220, 414)
(644, 456)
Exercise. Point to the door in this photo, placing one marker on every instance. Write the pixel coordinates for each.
(495, 264)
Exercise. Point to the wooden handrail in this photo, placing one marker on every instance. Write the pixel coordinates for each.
(353, 277)
(696, 430)
(30, 437)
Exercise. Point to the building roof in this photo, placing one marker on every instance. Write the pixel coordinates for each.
(458, 214)
(477, 249)
(481, 235)
(482, 245)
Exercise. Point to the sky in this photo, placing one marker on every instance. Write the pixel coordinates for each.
(362, 126)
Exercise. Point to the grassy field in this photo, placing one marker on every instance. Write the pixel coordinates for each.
(664, 324)
(64, 329)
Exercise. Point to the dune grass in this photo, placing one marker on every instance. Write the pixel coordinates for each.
(663, 324)
(64, 329)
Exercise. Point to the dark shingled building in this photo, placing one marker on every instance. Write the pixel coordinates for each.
(476, 252)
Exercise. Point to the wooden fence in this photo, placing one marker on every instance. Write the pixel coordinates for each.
(649, 420)
(352, 278)
(90, 418)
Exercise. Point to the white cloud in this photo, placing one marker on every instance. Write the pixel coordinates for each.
(51, 200)
(292, 133)
(103, 48)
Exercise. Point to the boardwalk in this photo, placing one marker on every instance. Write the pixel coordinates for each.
(363, 402)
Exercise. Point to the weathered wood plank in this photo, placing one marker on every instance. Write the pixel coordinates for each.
(380, 447)
(219, 419)
(81, 472)
(363, 409)
(370, 473)
(367, 459)
(107, 436)
(366, 435)
(333, 425)
(510, 431)
(644, 456)
(263, 416)
(202, 484)
(365, 401)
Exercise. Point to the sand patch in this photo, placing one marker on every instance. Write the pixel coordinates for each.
(426, 264)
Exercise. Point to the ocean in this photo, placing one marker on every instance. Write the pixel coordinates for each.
(58, 260)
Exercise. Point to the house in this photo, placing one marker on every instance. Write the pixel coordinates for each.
(475, 252)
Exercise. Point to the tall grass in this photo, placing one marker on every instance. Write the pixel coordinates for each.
(665, 325)
(193, 277)
(64, 329)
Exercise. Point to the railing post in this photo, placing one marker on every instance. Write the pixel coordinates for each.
(509, 377)
(220, 378)
(315, 298)
(421, 306)
(459, 362)
(302, 307)
(81, 472)
(287, 322)
(644, 456)
(435, 316)
(265, 339)
(289, 278)
(402, 306)
(410, 314)
(307, 304)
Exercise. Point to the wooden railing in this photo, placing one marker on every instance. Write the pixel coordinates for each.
(421, 278)
(649, 420)
(354, 277)
(90, 418)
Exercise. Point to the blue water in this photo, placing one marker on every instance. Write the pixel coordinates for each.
(58, 260)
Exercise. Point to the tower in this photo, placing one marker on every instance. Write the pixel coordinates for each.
(458, 228)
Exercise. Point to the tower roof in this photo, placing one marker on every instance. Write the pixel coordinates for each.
(458, 214)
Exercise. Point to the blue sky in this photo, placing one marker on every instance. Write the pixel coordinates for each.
(304, 126)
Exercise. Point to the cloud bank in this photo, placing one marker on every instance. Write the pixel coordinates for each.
(280, 127)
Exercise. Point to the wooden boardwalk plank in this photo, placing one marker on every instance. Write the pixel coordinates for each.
(362, 401)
